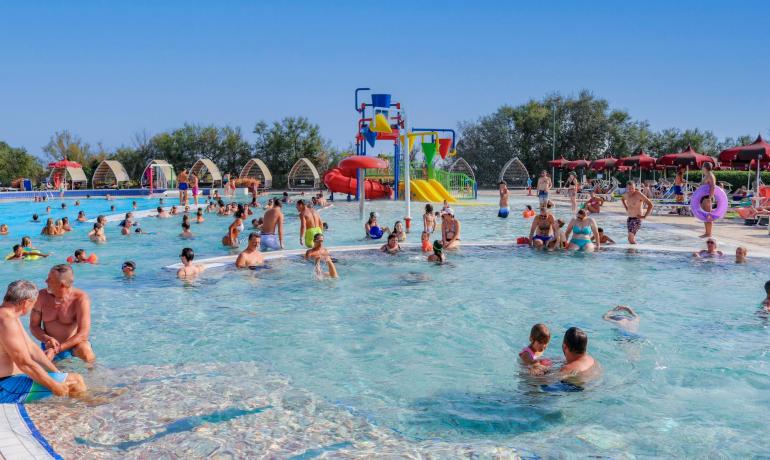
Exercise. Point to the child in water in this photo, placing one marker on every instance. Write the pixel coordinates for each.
(532, 355)
(426, 246)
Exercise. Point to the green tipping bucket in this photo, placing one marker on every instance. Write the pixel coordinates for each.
(429, 150)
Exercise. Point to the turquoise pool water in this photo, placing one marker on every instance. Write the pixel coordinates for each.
(404, 356)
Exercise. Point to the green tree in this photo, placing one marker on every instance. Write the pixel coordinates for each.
(282, 143)
(64, 145)
(16, 163)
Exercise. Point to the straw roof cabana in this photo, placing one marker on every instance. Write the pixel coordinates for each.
(207, 172)
(162, 174)
(109, 174)
(514, 173)
(257, 169)
(304, 176)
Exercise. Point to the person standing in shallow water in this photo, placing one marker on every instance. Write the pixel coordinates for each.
(707, 202)
(504, 208)
(634, 201)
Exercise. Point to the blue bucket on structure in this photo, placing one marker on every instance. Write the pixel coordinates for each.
(381, 100)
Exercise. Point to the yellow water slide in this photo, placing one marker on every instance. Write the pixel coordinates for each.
(421, 191)
(442, 191)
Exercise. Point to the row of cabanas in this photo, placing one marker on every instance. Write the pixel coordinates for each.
(159, 174)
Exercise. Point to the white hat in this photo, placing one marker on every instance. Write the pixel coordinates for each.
(448, 211)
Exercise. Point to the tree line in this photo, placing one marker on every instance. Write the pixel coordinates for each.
(279, 144)
(585, 128)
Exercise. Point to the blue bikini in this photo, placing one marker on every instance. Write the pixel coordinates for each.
(581, 242)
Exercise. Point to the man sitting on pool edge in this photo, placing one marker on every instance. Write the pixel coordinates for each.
(61, 318)
(26, 373)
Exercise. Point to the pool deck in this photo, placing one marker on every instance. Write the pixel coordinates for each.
(19, 439)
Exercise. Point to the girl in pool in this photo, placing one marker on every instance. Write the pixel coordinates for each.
(532, 355)
(398, 230)
(235, 229)
(82, 216)
(438, 253)
(426, 246)
(429, 219)
(372, 228)
(3, 229)
(583, 229)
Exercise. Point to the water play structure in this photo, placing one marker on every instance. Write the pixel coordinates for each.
(382, 126)
(158, 174)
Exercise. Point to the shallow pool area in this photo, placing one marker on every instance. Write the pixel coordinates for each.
(400, 356)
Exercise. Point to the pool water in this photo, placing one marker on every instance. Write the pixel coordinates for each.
(398, 353)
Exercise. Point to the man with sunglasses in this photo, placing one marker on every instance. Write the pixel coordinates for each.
(711, 250)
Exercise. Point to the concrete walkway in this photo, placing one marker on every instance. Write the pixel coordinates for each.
(19, 439)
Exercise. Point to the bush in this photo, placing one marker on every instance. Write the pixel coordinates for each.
(734, 178)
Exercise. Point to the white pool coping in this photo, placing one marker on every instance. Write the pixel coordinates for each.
(19, 438)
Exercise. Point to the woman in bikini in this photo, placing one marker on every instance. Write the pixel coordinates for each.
(543, 229)
(235, 229)
(583, 230)
(450, 230)
(572, 190)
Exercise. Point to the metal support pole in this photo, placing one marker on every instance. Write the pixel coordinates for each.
(553, 142)
(407, 161)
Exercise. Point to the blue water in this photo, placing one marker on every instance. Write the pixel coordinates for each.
(429, 351)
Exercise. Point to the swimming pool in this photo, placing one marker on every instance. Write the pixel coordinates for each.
(401, 356)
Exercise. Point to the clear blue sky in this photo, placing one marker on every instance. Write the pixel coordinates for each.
(106, 70)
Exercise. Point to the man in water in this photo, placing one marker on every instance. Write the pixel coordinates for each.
(711, 250)
(310, 223)
(575, 348)
(504, 208)
(182, 181)
(633, 200)
(707, 202)
(321, 273)
(250, 257)
(26, 373)
(321, 200)
(766, 302)
(317, 251)
(544, 185)
(623, 317)
(128, 268)
(272, 220)
(162, 214)
(741, 255)
(61, 317)
(189, 270)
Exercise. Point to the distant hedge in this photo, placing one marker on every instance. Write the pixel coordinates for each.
(734, 178)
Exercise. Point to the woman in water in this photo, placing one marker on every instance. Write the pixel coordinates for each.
(398, 230)
(429, 220)
(583, 229)
(82, 216)
(372, 228)
(450, 230)
(392, 246)
(235, 229)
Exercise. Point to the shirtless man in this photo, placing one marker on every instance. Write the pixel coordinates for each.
(310, 224)
(321, 200)
(633, 201)
(594, 203)
(162, 214)
(579, 364)
(450, 230)
(707, 201)
(182, 181)
(61, 318)
(189, 270)
(544, 185)
(317, 252)
(504, 208)
(543, 229)
(250, 257)
(26, 373)
(272, 220)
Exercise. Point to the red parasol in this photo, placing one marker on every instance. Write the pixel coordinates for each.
(757, 154)
(558, 163)
(688, 157)
(641, 161)
(64, 164)
(577, 164)
(604, 164)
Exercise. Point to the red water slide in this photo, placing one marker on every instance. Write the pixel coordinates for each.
(342, 179)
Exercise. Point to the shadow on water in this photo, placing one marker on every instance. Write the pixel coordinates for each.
(487, 413)
(179, 426)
